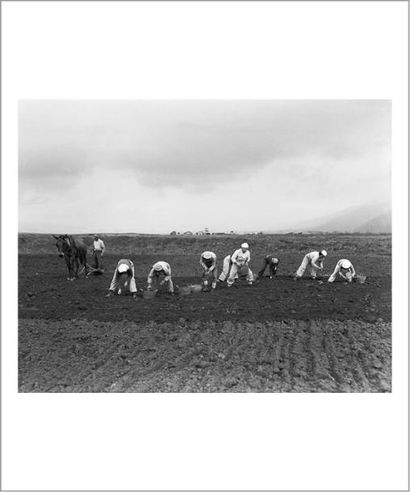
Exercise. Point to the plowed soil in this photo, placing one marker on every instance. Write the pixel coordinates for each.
(197, 356)
(276, 336)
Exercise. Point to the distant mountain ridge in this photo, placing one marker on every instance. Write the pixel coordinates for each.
(381, 223)
(371, 218)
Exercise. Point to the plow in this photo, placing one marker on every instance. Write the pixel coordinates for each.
(91, 271)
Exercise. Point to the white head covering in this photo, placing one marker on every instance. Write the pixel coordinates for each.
(207, 255)
(275, 261)
(345, 264)
(245, 245)
(158, 267)
(323, 252)
(123, 268)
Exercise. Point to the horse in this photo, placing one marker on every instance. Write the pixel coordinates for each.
(74, 252)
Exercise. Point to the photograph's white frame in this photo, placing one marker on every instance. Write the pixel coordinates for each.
(204, 50)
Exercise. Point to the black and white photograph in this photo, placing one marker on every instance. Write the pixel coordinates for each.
(205, 246)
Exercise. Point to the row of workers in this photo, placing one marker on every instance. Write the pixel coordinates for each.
(344, 268)
(233, 264)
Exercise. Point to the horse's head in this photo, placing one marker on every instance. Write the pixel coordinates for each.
(61, 244)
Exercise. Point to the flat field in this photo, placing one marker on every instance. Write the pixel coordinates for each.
(276, 336)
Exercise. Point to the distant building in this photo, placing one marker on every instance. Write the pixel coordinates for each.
(200, 233)
(173, 233)
(206, 231)
(187, 233)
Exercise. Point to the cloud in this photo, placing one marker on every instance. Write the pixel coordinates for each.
(305, 152)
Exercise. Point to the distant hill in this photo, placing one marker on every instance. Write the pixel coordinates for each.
(372, 218)
(381, 223)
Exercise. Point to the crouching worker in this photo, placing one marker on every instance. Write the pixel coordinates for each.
(345, 269)
(159, 269)
(271, 262)
(208, 263)
(315, 260)
(226, 268)
(123, 279)
(240, 265)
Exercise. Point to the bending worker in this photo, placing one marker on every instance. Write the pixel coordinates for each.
(123, 279)
(226, 267)
(345, 269)
(240, 264)
(271, 262)
(159, 269)
(315, 260)
(208, 263)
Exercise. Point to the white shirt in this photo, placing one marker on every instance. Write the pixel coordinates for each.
(99, 245)
(241, 257)
(313, 258)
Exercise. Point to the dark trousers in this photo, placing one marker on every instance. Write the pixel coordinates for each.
(98, 259)
(272, 267)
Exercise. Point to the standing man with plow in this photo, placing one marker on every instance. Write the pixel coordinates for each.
(98, 251)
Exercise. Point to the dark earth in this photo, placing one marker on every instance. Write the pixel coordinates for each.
(276, 336)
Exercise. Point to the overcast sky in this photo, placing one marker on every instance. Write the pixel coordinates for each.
(156, 166)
